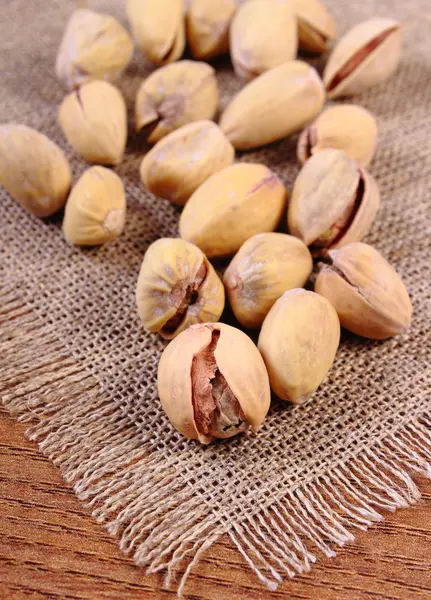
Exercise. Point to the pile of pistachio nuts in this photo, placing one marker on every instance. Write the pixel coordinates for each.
(213, 381)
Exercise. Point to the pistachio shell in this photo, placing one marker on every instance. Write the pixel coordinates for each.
(208, 24)
(366, 291)
(33, 169)
(344, 127)
(177, 287)
(298, 342)
(263, 35)
(175, 95)
(94, 121)
(158, 28)
(180, 162)
(334, 202)
(96, 208)
(213, 382)
(94, 46)
(231, 206)
(316, 27)
(266, 266)
(274, 105)
(366, 55)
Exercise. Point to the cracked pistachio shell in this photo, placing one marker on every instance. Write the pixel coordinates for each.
(366, 291)
(158, 28)
(366, 55)
(96, 208)
(298, 342)
(33, 169)
(175, 95)
(180, 162)
(334, 202)
(94, 46)
(94, 121)
(177, 287)
(266, 266)
(344, 127)
(274, 105)
(208, 24)
(263, 35)
(316, 27)
(189, 389)
(231, 206)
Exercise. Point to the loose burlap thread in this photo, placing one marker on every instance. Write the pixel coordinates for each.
(78, 368)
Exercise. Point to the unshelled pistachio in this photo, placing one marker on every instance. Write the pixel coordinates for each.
(366, 291)
(231, 206)
(316, 27)
(208, 24)
(175, 95)
(334, 202)
(266, 266)
(213, 383)
(33, 169)
(94, 46)
(96, 208)
(298, 342)
(177, 287)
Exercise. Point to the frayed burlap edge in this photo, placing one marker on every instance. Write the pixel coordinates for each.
(149, 507)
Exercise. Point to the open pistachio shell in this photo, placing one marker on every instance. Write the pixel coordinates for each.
(316, 27)
(208, 24)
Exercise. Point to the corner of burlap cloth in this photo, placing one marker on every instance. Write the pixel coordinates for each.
(77, 368)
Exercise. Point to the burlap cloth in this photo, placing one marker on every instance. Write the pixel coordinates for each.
(76, 366)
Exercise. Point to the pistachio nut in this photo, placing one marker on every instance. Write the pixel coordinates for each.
(174, 95)
(177, 287)
(94, 121)
(266, 266)
(180, 162)
(316, 27)
(366, 291)
(213, 383)
(345, 127)
(274, 105)
(208, 24)
(96, 208)
(334, 202)
(263, 35)
(231, 206)
(94, 46)
(33, 169)
(158, 28)
(298, 342)
(366, 55)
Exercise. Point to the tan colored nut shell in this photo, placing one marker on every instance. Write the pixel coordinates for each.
(366, 55)
(298, 341)
(177, 287)
(180, 162)
(208, 24)
(263, 35)
(231, 206)
(239, 363)
(345, 127)
(33, 169)
(334, 202)
(94, 46)
(274, 105)
(366, 291)
(158, 28)
(96, 208)
(266, 266)
(316, 27)
(175, 95)
(94, 121)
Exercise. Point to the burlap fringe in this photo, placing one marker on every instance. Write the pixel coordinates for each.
(149, 506)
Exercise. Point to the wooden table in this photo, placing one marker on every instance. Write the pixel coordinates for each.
(51, 549)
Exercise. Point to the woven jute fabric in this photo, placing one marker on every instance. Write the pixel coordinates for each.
(76, 365)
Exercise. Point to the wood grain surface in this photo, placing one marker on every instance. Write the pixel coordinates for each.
(50, 548)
